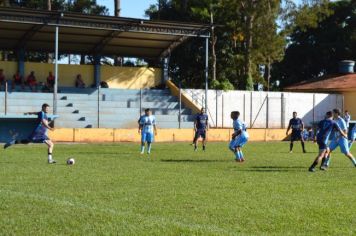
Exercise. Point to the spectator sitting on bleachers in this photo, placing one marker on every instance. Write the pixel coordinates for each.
(31, 81)
(310, 134)
(2, 78)
(79, 83)
(17, 80)
(50, 82)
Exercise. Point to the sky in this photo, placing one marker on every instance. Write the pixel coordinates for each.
(134, 8)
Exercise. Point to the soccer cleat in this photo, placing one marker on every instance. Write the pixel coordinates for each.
(323, 167)
(204, 148)
(290, 151)
(237, 160)
(195, 149)
(142, 153)
(52, 162)
(311, 169)
(148, 153)
(304, 151)
(242, 160)
(9, 144)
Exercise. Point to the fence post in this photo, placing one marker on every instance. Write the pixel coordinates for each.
(140, 102)
(6, 90)
(313, 109)
(244, 107)
(267, 111)
(282, 110)
(180, 106)
(251, 111)
(216, 108)
(222, 112)
(98, 88)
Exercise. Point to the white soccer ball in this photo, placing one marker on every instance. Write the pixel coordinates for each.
(70, 161)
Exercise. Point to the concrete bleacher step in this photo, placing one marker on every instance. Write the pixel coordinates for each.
(74, 124)
(155, 111)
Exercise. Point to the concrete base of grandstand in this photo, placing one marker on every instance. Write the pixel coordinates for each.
(163, 135)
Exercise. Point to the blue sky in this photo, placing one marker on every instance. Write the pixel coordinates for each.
(134, 8)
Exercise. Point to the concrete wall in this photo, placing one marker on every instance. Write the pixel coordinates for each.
(350, 103)
(164, 135)
(253, 106)
(116, 77)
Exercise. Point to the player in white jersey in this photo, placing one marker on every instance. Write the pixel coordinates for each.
(338, 140)
(147, 128)
(239, 137)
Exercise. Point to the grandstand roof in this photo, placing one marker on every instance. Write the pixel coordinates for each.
(34, 30)
(332, 83)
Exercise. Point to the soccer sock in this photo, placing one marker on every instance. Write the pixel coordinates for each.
(353, 161)
(241, 155)
(204, 147)
(149, 148)
(291, 147)
(303, 146)
(327, 160)
(237, 155)
(49, 156)
(315, 163)
(142, 148)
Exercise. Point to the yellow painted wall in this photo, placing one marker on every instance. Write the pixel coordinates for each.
(116, 77)
(350, 103)
(164, 135)
(131, 77)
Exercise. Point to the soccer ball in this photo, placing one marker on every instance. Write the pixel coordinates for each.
(70, 161)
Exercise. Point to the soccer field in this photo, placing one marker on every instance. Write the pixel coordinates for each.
(113, 190)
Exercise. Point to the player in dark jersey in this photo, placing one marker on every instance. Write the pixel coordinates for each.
(39, 134)
(297, 126)
(200, 128)
(325, 128)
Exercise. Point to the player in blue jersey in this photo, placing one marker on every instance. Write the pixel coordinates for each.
(325, 128)
(239, 137)
(297, 126)
(338, 140)
(39, 134)
(200, 128)
(147, 128)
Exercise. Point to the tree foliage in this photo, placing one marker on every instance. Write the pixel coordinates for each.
(316, 46)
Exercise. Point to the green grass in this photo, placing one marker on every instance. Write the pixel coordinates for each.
(112, 190)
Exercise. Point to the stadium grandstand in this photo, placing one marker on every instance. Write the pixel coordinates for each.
(130, 89)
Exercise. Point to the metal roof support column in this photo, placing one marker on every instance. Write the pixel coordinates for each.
(165, 66)
(206, 72)
(97, 70)
(21, 62)
(55, 89)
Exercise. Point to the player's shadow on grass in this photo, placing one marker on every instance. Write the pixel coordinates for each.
(275, 169)
(193, 161)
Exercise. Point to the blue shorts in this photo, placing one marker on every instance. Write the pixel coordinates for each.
(342, 143)
(239, 141)
(322, 145)
(38, 138)
(147, 137)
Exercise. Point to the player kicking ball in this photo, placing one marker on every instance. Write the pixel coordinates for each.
(39, 134)
(239, 137)
(297, 126)
(147, 128)
(338, 141)
(200, 128)
(325, 128)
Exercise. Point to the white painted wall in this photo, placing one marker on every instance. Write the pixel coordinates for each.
(253, 106)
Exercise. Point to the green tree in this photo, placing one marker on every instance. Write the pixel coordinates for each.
(316, 48)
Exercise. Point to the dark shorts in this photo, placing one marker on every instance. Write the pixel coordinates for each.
(296, 135)
(200, 133)
(322, 145)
